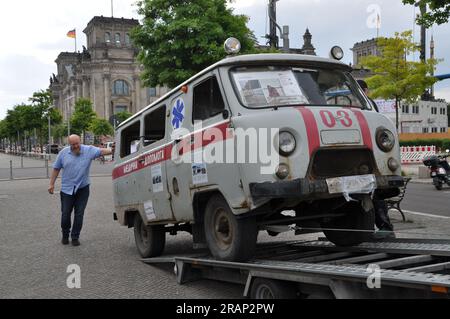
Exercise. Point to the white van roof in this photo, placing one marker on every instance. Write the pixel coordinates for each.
(244, 59)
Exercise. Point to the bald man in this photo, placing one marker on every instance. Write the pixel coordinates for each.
(75, 161)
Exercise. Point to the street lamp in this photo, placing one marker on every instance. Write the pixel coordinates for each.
(49, 128)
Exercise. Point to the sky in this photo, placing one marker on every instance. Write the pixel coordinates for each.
(34, 32)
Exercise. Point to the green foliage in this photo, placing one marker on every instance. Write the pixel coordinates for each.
(101, 127)
(179, 38)
(3, 129)
(396, 77)
(439, 11)
(122, 116)
(82, 117)
(59, 130)
(27, 119)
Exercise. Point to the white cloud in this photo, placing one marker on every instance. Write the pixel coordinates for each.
(443, 93)
(33, 33)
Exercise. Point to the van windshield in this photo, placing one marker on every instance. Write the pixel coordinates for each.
(269, 86)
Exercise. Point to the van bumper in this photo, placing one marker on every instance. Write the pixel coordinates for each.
(302, 188)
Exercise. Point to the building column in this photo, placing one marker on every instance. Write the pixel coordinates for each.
(137, 103)
(78, 88)
(97, 104)
(86, 87)
(107, 94)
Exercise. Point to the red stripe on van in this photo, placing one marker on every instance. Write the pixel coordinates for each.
(165, 153)
(145, 160)
(364, 126)
(311, 129)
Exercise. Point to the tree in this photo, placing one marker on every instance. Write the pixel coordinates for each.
(42, 102)
(3, 134)
(180, 38)
(59, 131)
(395, 77)
(82, 117)
(122, 116)
(439, 14)
(101, 127)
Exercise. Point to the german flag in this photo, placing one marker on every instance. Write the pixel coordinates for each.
(72, 34)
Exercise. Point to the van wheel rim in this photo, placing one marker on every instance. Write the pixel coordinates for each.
(264, 292)
(223, 231)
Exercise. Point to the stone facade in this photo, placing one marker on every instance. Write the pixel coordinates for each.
(363, 49)
(106, 72)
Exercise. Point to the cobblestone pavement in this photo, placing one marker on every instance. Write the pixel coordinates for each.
(34, 264)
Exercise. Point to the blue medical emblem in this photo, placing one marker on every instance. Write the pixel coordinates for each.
(178, 114)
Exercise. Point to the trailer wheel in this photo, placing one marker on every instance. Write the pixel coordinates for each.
(263, 288)
(227, 237)
(150, 240)
(355, 219)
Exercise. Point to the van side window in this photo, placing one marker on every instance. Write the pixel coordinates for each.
(155, 126)
(208, 100)
(129, 139)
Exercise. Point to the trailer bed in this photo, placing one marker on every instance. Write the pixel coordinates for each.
(399, 268)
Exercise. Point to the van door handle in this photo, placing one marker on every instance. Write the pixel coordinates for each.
(141, 160)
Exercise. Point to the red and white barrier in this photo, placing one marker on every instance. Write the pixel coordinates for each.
(415, 154)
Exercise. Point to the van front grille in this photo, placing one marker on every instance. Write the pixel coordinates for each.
(342, 162)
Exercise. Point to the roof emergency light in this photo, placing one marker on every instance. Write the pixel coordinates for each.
(337, 53)
(232, 46)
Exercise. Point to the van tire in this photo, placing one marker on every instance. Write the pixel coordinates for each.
(150, 240)
(263, 288)
(356, 219)
(228, 238)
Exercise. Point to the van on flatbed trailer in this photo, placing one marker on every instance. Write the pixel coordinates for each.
(398, 268)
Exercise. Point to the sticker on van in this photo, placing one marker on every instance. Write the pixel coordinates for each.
(178, 112)
(199, 174)
(149, 211)
(157, 184)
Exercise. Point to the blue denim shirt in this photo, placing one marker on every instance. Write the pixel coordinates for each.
(75, 168)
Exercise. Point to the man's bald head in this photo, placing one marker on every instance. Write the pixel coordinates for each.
(74, 138)
(75, 144)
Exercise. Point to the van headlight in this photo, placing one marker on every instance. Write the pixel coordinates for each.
(287, 143)
(385, 139)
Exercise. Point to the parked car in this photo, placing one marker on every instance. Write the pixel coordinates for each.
(54, 148)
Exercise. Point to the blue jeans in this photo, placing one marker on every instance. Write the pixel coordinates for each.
(76, 202)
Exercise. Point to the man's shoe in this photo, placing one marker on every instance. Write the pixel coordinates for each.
(75, 242)
(65, 241)
(383, 234)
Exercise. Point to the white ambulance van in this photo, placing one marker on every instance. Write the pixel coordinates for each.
(255, 142)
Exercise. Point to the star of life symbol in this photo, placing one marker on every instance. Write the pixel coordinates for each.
(178, 114)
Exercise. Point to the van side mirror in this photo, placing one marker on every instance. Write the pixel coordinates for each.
(225, 114)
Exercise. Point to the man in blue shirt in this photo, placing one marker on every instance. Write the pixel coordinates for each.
(75, 161)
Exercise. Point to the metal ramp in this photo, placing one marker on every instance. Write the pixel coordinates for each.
(400, 268)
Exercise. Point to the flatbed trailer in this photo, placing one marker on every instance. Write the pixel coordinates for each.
(398, 268)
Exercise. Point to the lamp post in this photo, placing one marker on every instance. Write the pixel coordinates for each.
(49, 123)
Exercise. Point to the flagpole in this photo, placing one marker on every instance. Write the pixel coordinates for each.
(112, 8)
(75, 40)
(378, 25)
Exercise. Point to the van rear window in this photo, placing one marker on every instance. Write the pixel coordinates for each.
(155, 126)
(268, 86)
(129, 139)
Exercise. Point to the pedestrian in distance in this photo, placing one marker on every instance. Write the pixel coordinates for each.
(75, 163)
(382, 221)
